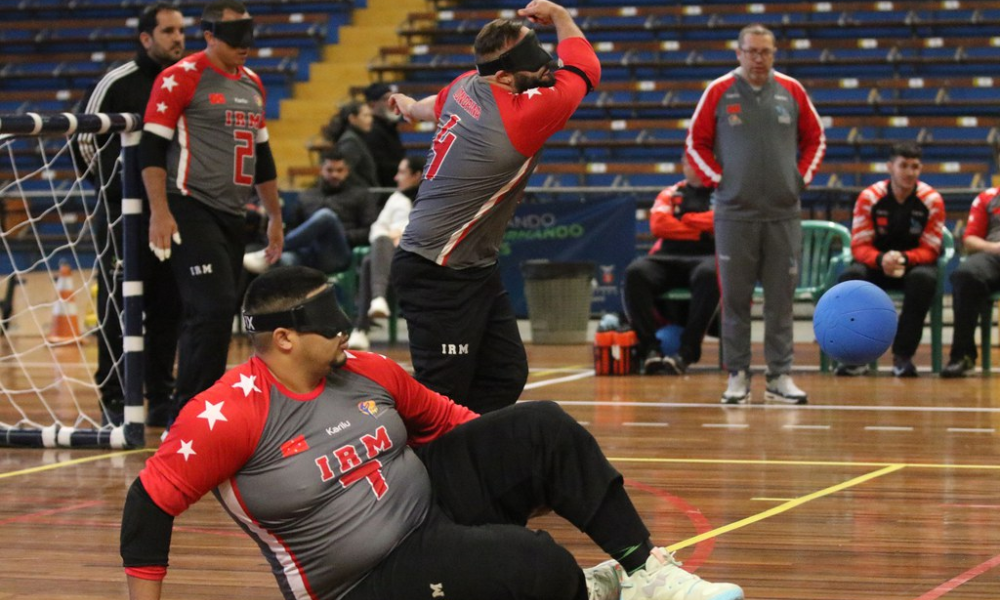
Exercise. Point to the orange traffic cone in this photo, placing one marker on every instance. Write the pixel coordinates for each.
(65, 321)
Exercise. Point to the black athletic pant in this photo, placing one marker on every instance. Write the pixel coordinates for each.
(161, 305)
(207, 266)
(464, 341)
(975, 279)
(919, 285)
(648, 277)
(488, 477)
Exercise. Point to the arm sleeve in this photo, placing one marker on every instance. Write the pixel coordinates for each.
(979, 218)
(812, 139)
(145, 535)
(265, 169)
(662, 222)
(170, 97)
(153, 151)
(532, 117)
(863, 229)
(427, 414)
(699, 148)
(929, 248)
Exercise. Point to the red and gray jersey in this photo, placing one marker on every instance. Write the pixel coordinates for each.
(483, 152)
(324, 482)
(984, 216)
(214, 121)
(761, 147)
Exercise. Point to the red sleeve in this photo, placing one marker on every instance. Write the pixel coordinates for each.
(662, 222)
(427, 414)
(700, 144)
(863, 227)
(979, 216)
(533, 116)
(214, 435)
(700, 221)
(442, 96)
(172, 92)
(812, 139)
(929, 248)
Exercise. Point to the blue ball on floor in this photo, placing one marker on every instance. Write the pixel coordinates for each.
(670, 339)
(855, 322)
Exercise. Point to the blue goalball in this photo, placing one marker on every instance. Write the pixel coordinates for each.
(855, 322)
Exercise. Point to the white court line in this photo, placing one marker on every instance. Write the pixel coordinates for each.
(568, 378)
(886, 428)
(971, 430)
(803, 407)
(824, 427)
(642, 424)
(726, 425)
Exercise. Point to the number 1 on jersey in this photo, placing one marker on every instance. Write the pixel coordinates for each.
(442, 143)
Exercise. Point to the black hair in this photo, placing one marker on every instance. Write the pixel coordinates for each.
(495, 37)
(213, 12)
(417, 163)
(905, 150)
(339, 122)
(281, 289)
(147, 20)
(332, 155)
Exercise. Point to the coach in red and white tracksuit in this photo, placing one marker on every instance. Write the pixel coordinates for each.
(757, 137)
(463, 332)
(205, 147)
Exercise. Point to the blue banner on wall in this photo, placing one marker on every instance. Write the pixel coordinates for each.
(601, 230)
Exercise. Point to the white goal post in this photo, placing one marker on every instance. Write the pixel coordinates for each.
(48, 212)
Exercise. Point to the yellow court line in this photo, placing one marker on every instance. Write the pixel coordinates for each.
(75, 461)
(783, 507)
(803, 463)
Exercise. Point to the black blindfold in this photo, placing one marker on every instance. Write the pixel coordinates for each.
(320, 314)
(237, 33)
(526, 55)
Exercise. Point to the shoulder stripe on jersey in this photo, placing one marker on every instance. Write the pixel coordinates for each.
(163, 131)
(293, 574)
(184, 159)
(87, 141)
(459, 234)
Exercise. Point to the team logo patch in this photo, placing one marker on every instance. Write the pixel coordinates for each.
(294, 446)
(368, 407)
(733, 109)
(217, 98)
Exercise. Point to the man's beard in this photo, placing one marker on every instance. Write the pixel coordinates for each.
(525, 82)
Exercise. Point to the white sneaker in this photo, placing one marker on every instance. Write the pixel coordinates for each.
(255, 262)
(663, 579)
(379, 308)
(781, 388)
(738, 390)
(358, 340)
(604, 581)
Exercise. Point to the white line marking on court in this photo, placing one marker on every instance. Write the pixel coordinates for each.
(807, 427)
(644, 424)
(802, 407)
(546, 382)
(971, 430)
(726, 425)
(886, 428)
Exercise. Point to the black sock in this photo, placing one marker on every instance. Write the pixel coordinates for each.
(618, 529)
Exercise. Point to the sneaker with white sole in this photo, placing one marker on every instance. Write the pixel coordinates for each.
(738, 390)
(781, 388)
(379, 308)
(663, 579)
(358, 340)
(255, 262)
(851, 370)
(604, 581)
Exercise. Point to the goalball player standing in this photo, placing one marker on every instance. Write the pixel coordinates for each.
(204, 149)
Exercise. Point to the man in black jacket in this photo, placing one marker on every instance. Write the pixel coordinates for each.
(126, 89)
(384, 140)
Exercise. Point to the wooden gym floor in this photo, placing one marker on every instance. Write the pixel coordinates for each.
(879, 489)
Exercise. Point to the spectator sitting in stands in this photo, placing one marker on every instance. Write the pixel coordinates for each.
(896, 241)
(333, 217)
(384, 237)
(683, 256)
(974, 280)
(383, 139)
(347, 130)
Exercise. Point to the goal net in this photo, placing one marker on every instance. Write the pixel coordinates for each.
(50, 215)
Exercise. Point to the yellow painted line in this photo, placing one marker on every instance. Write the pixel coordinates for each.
(803, 463)
(777, 510)
(567, 369)
(75, 461)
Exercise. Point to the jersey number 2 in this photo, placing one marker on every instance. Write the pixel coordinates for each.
(244, 149)
(443, 142)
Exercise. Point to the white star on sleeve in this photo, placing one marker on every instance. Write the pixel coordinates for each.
(169, 83)
(246, 384)
(186, 449)
(161, 107)
(189, 65)
(213, 413)
(533, 92)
